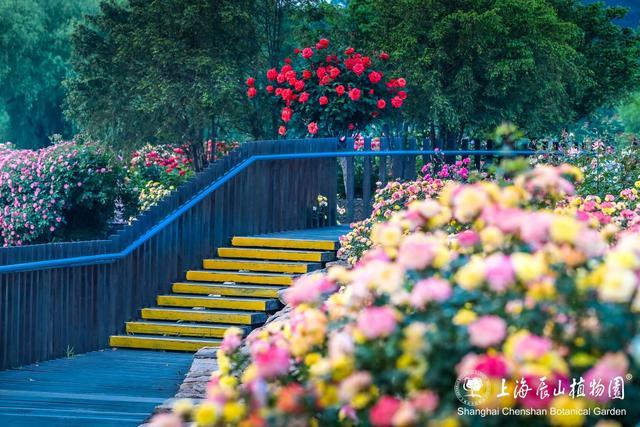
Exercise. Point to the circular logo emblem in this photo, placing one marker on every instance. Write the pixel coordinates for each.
(473, 388)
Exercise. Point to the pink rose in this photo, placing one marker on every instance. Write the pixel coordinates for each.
(612, 365)
(427, 290)
(381, 414)
(487, 331)
(377, 322)
(270, 359)
(499, 272)
(415, 252)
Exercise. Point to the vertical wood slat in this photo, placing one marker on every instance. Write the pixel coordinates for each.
(366, 180)
(350, 182)
(44, 313)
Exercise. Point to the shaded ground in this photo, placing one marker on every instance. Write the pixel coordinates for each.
(102, 388)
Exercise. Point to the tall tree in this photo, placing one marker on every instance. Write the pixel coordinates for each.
(162, 70)
(474, 63)
(34, 55)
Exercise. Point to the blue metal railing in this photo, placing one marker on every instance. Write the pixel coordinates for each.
(111, 257)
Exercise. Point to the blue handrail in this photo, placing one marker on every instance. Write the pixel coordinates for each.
(111, 257)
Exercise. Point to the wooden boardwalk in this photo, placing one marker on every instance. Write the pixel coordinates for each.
(102, 388)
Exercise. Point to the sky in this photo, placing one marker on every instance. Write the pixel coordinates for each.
(633, 18)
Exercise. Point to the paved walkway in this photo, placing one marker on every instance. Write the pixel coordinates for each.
(102, 388)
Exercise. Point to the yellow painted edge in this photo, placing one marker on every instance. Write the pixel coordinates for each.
(152, 344)
(254, 266)
(178, 330)
(240, 278)
(177, 301)
(284, 243)
(236, 318)
(235, 290)
(267, 254)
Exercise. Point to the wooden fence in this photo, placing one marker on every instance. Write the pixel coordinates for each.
(50, 312)
(63, 298)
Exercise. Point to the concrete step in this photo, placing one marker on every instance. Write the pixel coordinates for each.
(202, 330)
(284, 243)
(225, 302)
(259, 265)
(240, 277)
(162, 343)
(203, 315)
(227, 289)
(275, 254)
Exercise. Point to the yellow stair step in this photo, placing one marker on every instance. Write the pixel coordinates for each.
(259, 265)
(229, 303)
(162, 343)
(204, 330)
(240, 277)
(227, 289)
(208, 316)
(284, 243)
(275, 254)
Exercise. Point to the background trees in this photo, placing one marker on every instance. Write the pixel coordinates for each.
(160, 71)
(174, 70)
(34, 54)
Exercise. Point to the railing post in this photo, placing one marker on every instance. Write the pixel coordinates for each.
(366, 180)
(350, 182)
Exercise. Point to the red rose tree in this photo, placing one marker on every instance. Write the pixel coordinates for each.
(331, 92)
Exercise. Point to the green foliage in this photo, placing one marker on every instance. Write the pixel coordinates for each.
(34, 54)
(474, 64)
(160, 71)
(630, 113)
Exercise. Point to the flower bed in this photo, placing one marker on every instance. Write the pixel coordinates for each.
(480, 300)
(64, 191)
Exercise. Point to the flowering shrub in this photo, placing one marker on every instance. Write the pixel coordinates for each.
(215, 150)
(480, 298)
(396, 196)
(63, 191)
(332, 91)
(166, 164)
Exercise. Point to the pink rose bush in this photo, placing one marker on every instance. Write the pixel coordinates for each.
(541, 305)
(397, 195)
(64, 191)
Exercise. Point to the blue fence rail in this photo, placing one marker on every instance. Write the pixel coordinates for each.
(63, 297)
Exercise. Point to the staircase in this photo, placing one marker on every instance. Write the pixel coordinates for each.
(239, 288)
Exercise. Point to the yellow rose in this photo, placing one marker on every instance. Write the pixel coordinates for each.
(206, 414)
(569, 412)
(617, 286)
(491, 237)
(528, 267)
(233, 411)
(564, 229)
(470, 275)
(464, 317)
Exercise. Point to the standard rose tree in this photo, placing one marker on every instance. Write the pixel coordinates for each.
(332, 93)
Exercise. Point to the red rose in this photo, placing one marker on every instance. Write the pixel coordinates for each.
(358, 69)
(340, 90)
(299, 85)
(325, 80)
(382, 104)
(323, 100)
(384, 56)
(371, 92)
(334, 73)
(286, 94)
(402, 82)
(251, 81)
(349, 51)
(381, 414)
(351, 126)
(402, 95)
(251, 92)
(375, 77)
(287, 61)
(269, 88)
(307, 53)
(281, 78)
(354, 94)
(272, 74)
(306, 74)
(320, 72)
(304, 97)
(285, 115)
(312, 128)
(278, 91)
(286, 68)
(324, 43)
(396, 102)
(282, 130)
(296, 51)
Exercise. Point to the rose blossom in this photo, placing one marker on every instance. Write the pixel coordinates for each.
(427, 290)
(381, 414)
(487, 331)
(377, 321)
